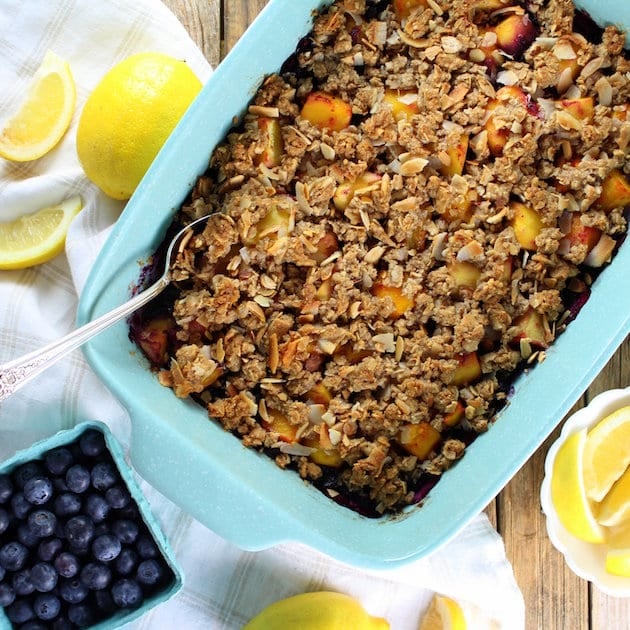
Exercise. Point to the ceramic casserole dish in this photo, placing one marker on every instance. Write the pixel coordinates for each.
(241, 494)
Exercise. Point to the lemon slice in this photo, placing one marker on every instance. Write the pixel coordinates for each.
(44, 115)
(618, 554)
(567, 491)
(606, 453)
(38, 237)
(443, 613)
(615, 508)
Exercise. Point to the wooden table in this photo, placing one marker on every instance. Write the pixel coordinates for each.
(555, 598)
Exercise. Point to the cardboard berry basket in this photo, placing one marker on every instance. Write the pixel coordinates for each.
(241, 494)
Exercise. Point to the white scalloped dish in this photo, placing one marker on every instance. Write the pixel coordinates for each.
(587, 560)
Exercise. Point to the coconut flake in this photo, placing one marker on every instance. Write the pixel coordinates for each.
(295, 448)
(507, 77)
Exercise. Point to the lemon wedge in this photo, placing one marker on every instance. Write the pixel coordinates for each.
(606, 453)
(568, 493)
(615, 508)
(443, 613)
(44, 115)
(618, 553)
(35, 238)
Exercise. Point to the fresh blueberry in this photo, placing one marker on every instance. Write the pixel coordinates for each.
(13, 555)
(38, 490)
(79, 531)
(72, 591)
(92, 443)
(126, 531)
(67, 504)
(7, 594)
(46, 606)
(42, 523)
(20, 506)
(106, 547)
(48, 549)
(22, 583)
(96, 507)
(104, 475)
(66, 564)
(6, 488)
(78, 478)
(20, 611)
(118, 497)
(5, 520)
(27, 536)
(27, 471)
(149, 572)
(58, 460)
(127, 593)
(81, 615)
(44, 577)
(126, 561)
(96, 575)
(146, 547)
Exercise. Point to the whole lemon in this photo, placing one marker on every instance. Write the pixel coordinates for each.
(129, 116)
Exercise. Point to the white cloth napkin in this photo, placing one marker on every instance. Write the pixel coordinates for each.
(224, 586)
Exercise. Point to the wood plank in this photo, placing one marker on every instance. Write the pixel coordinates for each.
(237, 16)
(202, 21)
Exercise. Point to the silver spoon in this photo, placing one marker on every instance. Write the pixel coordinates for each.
(16, 373)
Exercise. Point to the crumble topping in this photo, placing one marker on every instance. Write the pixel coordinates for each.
(411, 209)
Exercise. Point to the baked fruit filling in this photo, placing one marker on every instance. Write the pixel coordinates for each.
(413, 209)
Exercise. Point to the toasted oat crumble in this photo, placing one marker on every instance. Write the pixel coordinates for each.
(412, 209)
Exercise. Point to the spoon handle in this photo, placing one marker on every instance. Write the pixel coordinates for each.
(16, 373)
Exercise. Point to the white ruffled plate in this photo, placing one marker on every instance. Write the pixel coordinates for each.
(587, 560)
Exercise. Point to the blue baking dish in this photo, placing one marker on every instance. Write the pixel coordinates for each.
(67, 437)
(237, 492)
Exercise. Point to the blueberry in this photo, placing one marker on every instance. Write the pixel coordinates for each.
(118, 497)
(96, 575)
(125, 530)
(72, 591)
(38, 490)
(42, 523)
(126, 561)
(6, 488)
(22, 582)
(20, 506)
(92, 443)
(127, 593)
(48, 549)
(27, 536)
(61, 623)
(96, 507)
(79, 530)
(5, 520)
(106, 547)
(81, 615)
(78, 478)
(46, 606)
(20, 611)
(66, 564)
(149, 572)
(104, 475)
(13, 555)
(104, 601)
(67, 504)
(146, 547)
(44, 577)
(58, 460)
(7, 594)
(26, 471)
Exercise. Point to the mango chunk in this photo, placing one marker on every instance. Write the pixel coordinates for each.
(527, 225)
(326, 111)
(419, 439)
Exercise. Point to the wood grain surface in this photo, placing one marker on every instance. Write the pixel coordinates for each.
(555, 598)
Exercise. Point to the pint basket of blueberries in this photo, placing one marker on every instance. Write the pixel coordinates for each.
(79, 546)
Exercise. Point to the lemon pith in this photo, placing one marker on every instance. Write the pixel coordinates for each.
(44, 115)
(38, 237)
(128, 117)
